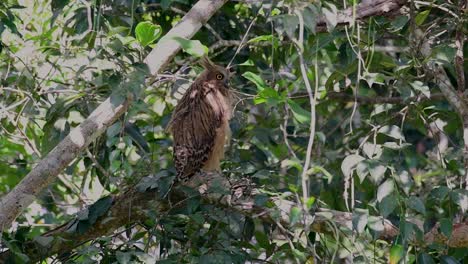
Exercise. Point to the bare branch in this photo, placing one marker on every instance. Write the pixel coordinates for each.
(363, 10)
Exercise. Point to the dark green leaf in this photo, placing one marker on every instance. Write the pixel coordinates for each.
(99, 208)
(446, 226)
(425, 258)
(416, 204)
(387, 205)
(448, 260)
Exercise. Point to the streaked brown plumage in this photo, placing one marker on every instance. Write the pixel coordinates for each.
(200, 122)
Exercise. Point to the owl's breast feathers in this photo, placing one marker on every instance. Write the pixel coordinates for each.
(200, 128)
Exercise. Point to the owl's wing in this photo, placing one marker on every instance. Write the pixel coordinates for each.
(194, 134)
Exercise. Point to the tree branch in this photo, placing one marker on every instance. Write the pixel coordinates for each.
(344, 97)
(345, 17)
(363, 10)
(130, 206)
(45, 172)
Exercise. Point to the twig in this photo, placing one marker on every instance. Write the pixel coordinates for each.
(437, 6)
(242, 41)
(96, 164)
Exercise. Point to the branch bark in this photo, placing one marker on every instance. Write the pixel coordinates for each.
(135, 203)
(363, 10)
(45, 172)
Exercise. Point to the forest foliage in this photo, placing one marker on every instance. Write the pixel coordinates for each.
(328, 116)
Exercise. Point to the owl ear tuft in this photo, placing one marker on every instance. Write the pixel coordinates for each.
(207, 63)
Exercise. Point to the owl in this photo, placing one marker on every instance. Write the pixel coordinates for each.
(200, 122)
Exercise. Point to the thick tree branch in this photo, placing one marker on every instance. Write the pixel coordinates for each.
(45, 172)
(363, 10)
(130, 206)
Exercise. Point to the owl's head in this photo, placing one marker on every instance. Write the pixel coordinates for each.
(215, 73)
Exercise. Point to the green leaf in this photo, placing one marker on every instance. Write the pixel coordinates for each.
(448, 260)
(405, 181)
(300, 114)
(262, 239)
(192, 47)
(268, 95)
(349, 163)
(399, 22)
(446, 227)
(256, 79)
(360, 218)
(248, 62)
(310, 15)
(261, 38)
(362, 170)
(372, 78)
(392, 131)
(123, 257)
(419, 86)
(440, 192)
(425, 258)
(331, 16)
(375, 223)
(385, 189)
(114, 130)
(377, 171)
(287, 24)
(320, 169)
(416, 204)
(99, 208)
(396, 253)
(59, 4)
(387, 205)
(421, 17)
(310, 202)
(147, 32)
(295, 215)
(44, 241)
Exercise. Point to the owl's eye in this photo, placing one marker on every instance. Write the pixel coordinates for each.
(219, 76)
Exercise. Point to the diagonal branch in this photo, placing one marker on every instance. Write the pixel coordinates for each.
(45, 172)
(363, 10)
